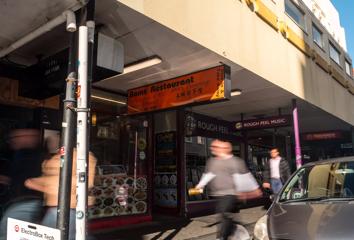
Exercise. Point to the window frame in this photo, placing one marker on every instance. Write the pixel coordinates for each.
(304, 27)
(331, 45)
(350, 67)
(314, 27)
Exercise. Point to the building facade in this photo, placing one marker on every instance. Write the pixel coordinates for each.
(329, 18)
(248, 71)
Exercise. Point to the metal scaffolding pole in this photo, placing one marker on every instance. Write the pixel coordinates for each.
(67, 142)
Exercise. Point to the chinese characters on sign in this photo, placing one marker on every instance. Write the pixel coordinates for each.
(208, 85)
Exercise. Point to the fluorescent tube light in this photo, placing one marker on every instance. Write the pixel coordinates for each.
(236, 92)
(108, 99)
(143, 64)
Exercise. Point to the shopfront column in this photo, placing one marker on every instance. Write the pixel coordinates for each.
(167, 197)
(288, 147)
(352, 138)
(297, 135)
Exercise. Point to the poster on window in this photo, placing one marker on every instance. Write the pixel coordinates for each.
(165, 190)
(165, 152)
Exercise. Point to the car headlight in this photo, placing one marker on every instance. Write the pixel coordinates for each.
(261, 229)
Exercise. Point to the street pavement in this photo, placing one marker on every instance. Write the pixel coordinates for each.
(166, 228)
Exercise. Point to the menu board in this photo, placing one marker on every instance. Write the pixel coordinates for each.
(165, 178)
(166, 152)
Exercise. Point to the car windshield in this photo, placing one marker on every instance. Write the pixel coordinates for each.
(321, 182)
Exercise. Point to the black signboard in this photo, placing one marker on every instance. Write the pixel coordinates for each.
(205, 126)
(263, 123)
(47, 77)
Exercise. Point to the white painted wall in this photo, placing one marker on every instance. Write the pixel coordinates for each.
(234, 31)
(329, 17)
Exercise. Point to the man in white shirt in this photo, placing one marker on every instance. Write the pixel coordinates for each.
(276, 172)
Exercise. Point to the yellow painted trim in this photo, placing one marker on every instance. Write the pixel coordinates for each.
(283, 29)
(298, 42)
(250, 2)
(265, 13)
(272, 19)
(339, 77)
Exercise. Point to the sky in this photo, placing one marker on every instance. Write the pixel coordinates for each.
(346, 14)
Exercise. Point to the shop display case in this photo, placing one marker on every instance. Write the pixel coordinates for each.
(121, 186)
(118, 195)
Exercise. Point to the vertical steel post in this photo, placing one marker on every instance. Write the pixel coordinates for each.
(297, 135)
(67, 142)
(90, 23)
(85, 70)
(82, 131)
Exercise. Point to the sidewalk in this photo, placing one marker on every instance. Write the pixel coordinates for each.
(165, 228)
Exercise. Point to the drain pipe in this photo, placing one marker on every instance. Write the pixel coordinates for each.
(67, 15)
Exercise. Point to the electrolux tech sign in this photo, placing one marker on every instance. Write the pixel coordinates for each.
(21, 230)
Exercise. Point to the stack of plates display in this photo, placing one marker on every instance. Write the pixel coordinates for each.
(117, 195)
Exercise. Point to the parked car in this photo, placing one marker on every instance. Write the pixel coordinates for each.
(317, 202)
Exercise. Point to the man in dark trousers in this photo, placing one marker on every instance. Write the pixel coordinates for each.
(276, 172)
(229, 179)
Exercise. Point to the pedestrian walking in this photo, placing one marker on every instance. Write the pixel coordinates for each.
(24, 204)
(229, 180)
(48, 183)
(276, 172)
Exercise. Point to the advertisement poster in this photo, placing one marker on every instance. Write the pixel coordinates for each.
(165, 193)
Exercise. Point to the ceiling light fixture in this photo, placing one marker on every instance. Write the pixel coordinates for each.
(142, 64)
(236, 92)
(108, 100)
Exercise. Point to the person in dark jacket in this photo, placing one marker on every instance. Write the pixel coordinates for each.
(276, 172)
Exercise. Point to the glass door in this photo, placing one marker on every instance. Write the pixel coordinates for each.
(122, 182)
